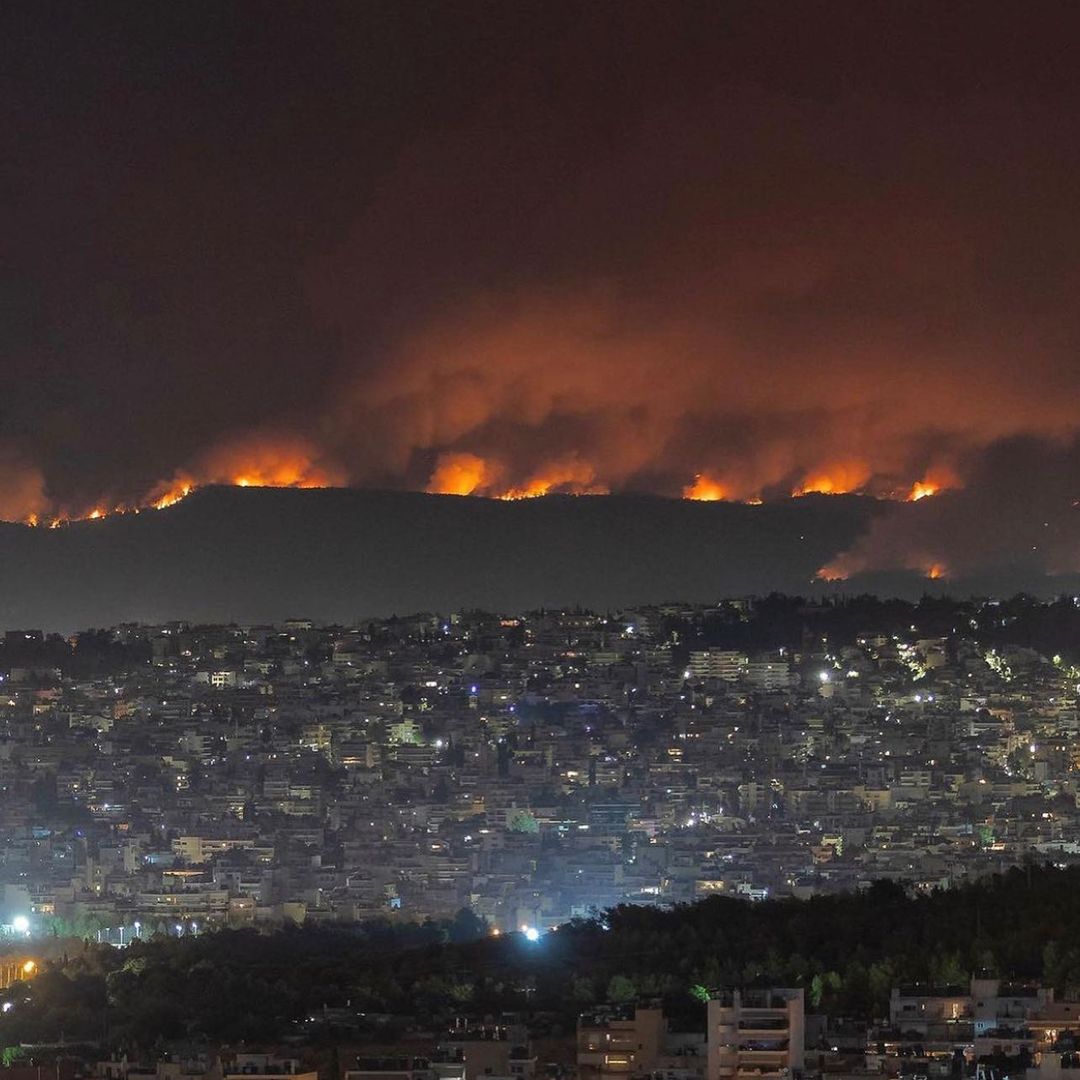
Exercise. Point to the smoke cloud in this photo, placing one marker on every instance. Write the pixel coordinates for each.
(1020, 508)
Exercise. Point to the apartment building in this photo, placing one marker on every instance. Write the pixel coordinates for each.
(756, 1034)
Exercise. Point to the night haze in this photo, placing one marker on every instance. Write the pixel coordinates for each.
(726, 251)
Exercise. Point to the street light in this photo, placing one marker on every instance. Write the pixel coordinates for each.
(20, 924)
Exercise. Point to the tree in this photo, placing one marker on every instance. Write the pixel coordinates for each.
(1053, 966)
(522, 821)
(467, 926)
(621, 989)
(823, 987)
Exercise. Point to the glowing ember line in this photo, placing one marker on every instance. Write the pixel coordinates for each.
(173, 496)
(295, 464)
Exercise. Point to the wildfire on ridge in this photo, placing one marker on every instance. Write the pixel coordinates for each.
(260, 460)
(254, 461)
(468, 474)
(173, 494)
(285, 478)
(460, 474)
(841, 478)
(844, 567)
(938, 479)
(569, 477)
(270, 459)
(705, 489)
(264, 459)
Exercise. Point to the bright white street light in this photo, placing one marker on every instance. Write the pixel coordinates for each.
(20, 924)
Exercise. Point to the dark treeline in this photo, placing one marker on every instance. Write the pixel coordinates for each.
(778, 620)
(90, 653)
(773, 621)
(847, 951)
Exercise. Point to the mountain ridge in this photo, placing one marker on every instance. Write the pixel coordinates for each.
(337, 554)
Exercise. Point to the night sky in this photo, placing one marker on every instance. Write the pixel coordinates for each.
(513, 247)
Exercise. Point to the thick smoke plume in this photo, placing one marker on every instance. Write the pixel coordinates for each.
(1020, 508)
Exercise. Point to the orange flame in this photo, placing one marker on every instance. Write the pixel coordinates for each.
(841, 478)
(460, 474)
(280, 474)
(180, 488)
(706, 489)
(267, 460)
(254, 461)
(849, 563)
(567, 477)
(936, 480)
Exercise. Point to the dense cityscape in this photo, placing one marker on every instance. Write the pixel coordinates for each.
(477, 778)
(531, 768)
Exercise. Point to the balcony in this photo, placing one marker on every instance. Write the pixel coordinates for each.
(759, 1000)
(608, 1062)
(1013, 1034)
(764, 1023)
